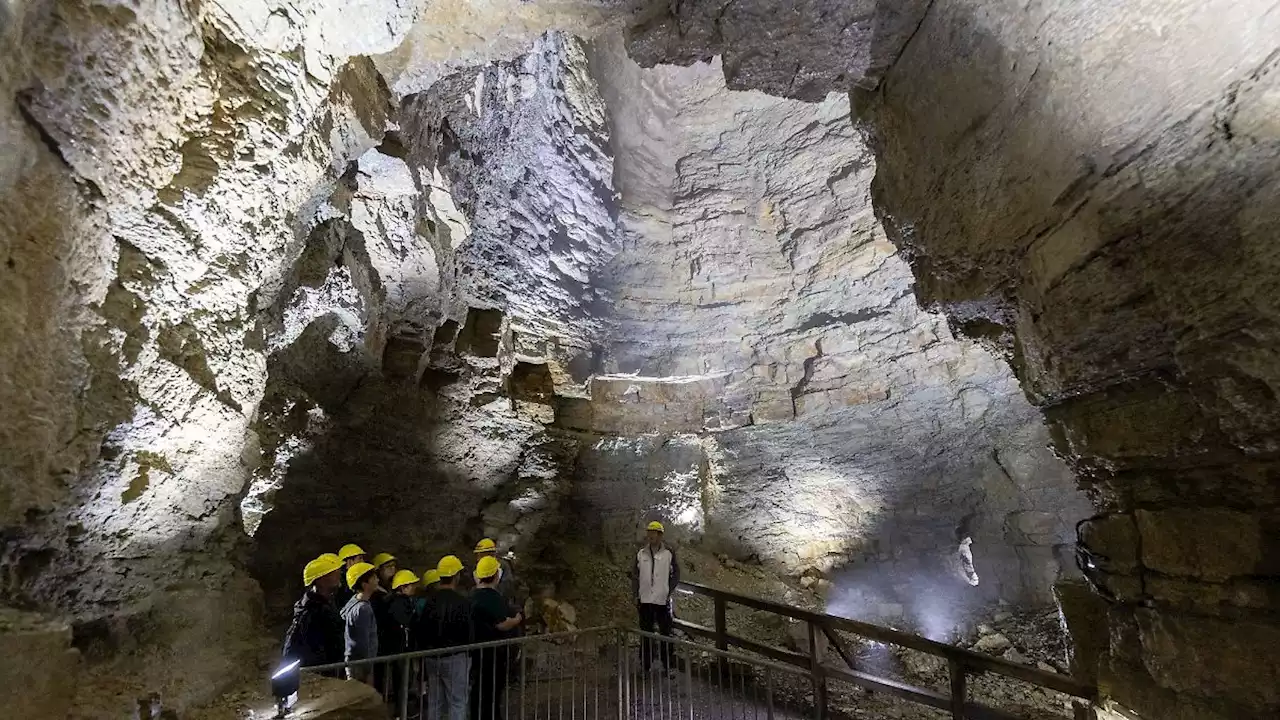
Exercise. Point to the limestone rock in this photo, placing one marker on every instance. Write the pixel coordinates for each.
(817, 46)
(993, 644)
(1012, 655)
(723, 195)
(329, 699)
(257, 279)
(923, 664)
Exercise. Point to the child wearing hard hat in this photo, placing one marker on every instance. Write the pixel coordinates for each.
(385, 564)
(493, 621)
(315, 635)
(394, 624)
(400, 607)
(350, 554)
(430, 583)
(445, 622)
(653, 579)
(361, 627)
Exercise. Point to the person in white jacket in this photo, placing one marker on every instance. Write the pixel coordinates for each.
(653, 579)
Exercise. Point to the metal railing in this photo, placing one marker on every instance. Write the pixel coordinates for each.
(556, 675)
(609, 672)
(961, 663)
(595, 673)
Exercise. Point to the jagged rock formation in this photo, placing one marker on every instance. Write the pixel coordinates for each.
(272, 261)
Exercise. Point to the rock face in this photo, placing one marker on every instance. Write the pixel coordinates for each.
(1121, 238)
(756, 303)
(812, 48)
(170, 153)
(1048, 199)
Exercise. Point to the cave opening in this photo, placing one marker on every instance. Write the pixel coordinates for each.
(889, 313)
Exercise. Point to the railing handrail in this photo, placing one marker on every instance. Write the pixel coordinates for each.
(723, 654)
(457, 649)
(968, 659)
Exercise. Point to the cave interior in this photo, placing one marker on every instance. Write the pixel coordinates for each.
(912, 312)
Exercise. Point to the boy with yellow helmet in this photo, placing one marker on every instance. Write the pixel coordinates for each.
(362, 627)
(654, 578)
(400, 612)
(314, 636)
(445, 622)
(493, 620)
(349, 554)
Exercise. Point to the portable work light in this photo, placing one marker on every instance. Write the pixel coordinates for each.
(284, 686)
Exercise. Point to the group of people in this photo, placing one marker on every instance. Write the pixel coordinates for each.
(356, 609)
(353, 610)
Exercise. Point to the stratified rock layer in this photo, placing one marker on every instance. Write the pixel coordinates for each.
(759, 304)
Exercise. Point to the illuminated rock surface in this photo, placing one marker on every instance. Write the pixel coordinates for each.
(410, 272)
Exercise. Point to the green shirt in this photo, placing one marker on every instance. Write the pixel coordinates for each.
(488, 608)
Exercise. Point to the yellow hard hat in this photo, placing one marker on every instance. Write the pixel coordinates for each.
(349, 551)
(355, 572)
(655, 525)
(431, 577)
(321, 566)
(382, 559)
(449, 566)
(404, 577)
(486, 545)
(487, 568)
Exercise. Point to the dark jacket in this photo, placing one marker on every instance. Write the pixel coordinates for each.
(397, 614)
(488, 610)
(445, 621)
(315, 635)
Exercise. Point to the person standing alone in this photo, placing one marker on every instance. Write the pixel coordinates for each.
(653, 579)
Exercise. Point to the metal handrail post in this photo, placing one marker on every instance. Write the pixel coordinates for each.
(402, 703)
(958, 689)
(722, 631)
(768, 676)
(815, 669)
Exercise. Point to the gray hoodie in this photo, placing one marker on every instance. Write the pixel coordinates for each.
(362, 629)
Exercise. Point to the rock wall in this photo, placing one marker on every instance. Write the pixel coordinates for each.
(1102, 190)
(1091, 186)
(170, 151)
(757, 302)
(391, 408)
